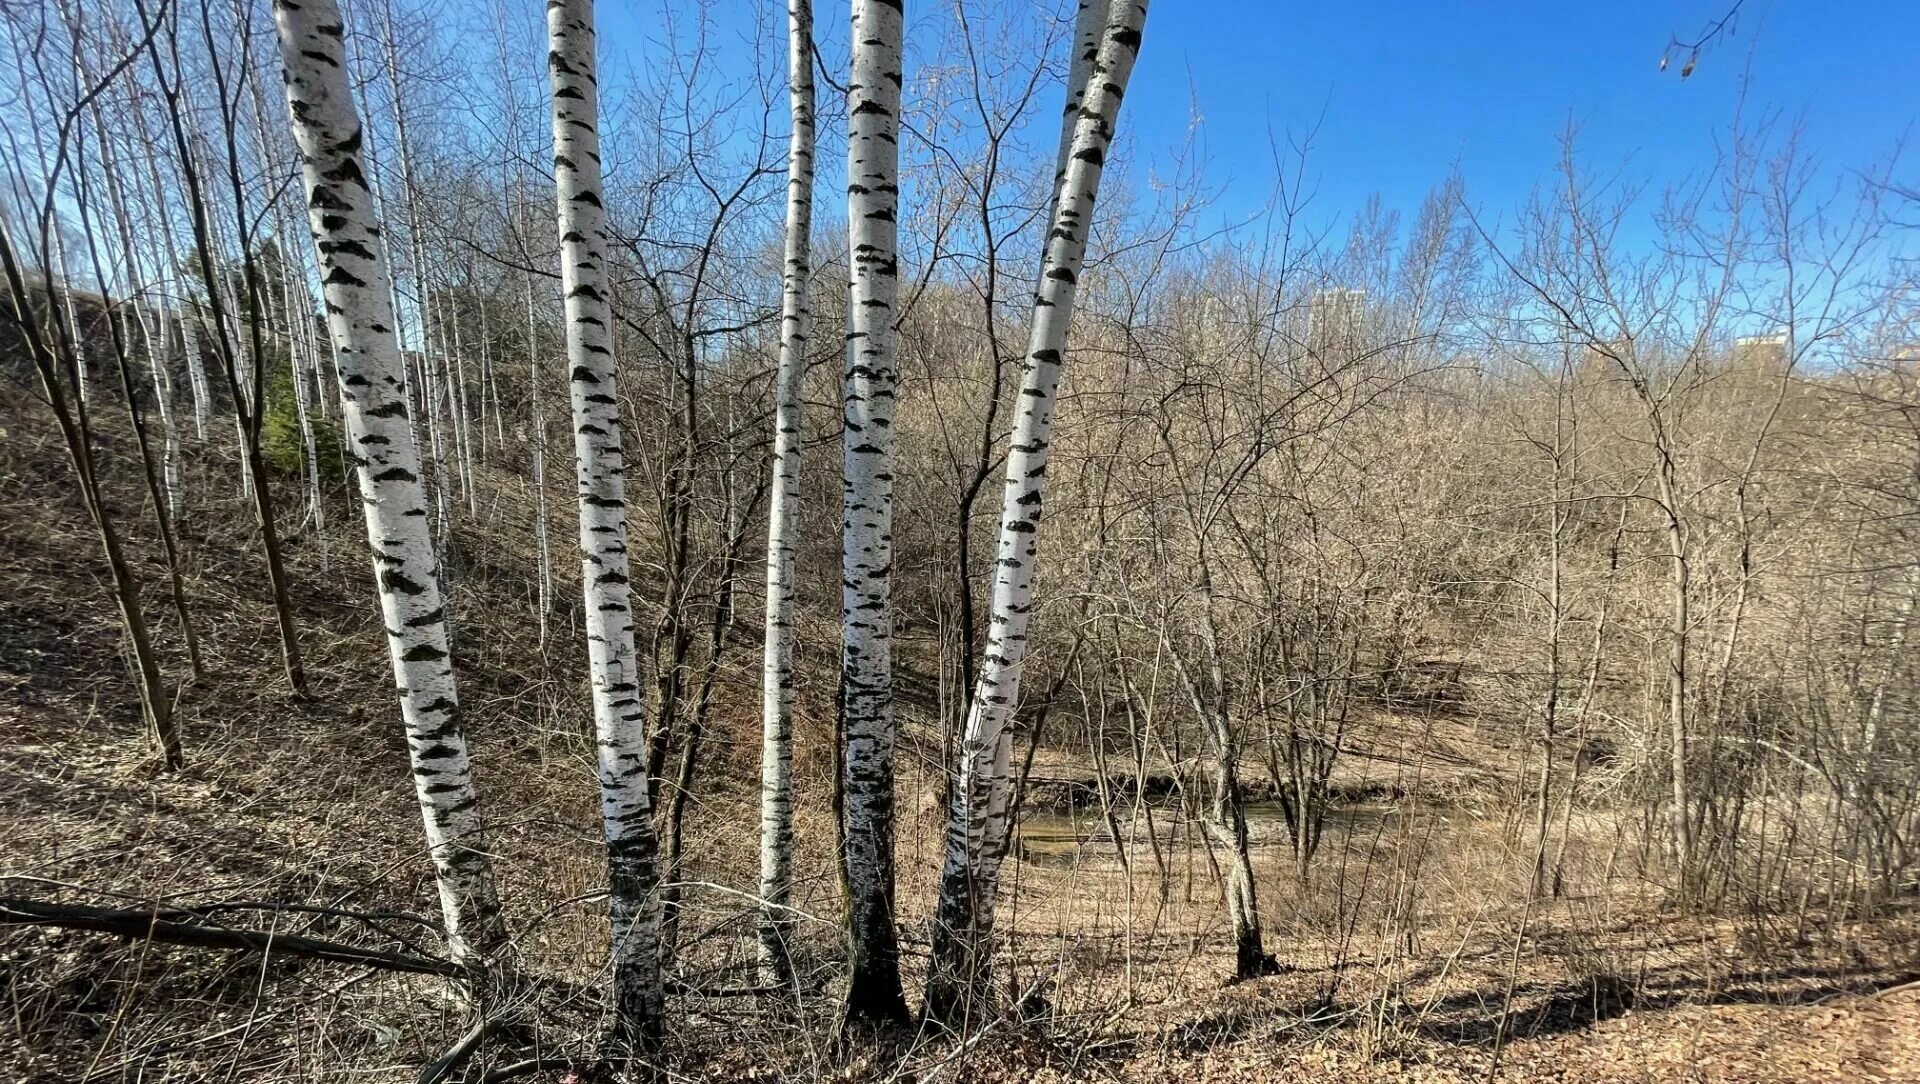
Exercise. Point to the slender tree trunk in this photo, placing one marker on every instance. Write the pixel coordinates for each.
(737, 513)
(978, 823)
(162, 485)
(48, 360)
(240, 368)
(618, 704)
(783, 517)
(374, 406)
(874, 997)
(150, 473)
(152, 324)
(535, 379)
(1226, 823)
(1679, 625)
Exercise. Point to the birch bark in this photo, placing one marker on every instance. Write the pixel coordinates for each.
(874, 997)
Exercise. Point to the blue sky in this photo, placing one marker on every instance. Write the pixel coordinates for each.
(1401, 91)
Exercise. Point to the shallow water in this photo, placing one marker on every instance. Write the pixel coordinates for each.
(1064, 838)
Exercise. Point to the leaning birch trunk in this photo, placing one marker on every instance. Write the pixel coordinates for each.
(874, 997)
(1089, 29)
(374, 405)
(776, 742)
(978, 819)
(618, 706)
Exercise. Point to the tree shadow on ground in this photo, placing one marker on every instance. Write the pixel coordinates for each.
(1540, 1010)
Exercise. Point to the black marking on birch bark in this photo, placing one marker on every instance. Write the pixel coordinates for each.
(350, 248)
(395, 583)
(423, 653)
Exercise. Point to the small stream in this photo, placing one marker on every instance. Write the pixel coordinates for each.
(1064, 838)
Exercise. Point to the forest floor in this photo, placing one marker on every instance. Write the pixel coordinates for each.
(1396, 961)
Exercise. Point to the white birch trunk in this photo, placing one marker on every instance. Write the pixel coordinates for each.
(618, 705)
(776, 749)
(462, 424)
(978, 827)
(374, 406)
(874, 996)
(189, 321)
(189, 348)
(539, 440)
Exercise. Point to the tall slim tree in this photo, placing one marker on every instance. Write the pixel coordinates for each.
(979, 815)
(619, 708)
(874, 997)
(242, 364)
(776, 751)
(373, 399)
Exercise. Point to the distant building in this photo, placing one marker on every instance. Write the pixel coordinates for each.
(1335, 318)
(1767, 351)
(1609, 359)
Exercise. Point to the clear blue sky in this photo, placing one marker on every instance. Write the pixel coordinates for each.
(1403, 90)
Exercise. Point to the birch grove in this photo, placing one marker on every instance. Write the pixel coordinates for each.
(1462, 618)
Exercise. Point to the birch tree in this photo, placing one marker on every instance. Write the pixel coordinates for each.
(619, 707)
(978, 822)
(874, 997)
(374, 405)
(783, 516)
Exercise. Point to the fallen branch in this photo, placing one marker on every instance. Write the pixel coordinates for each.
(148, 924)
(459, 1054)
